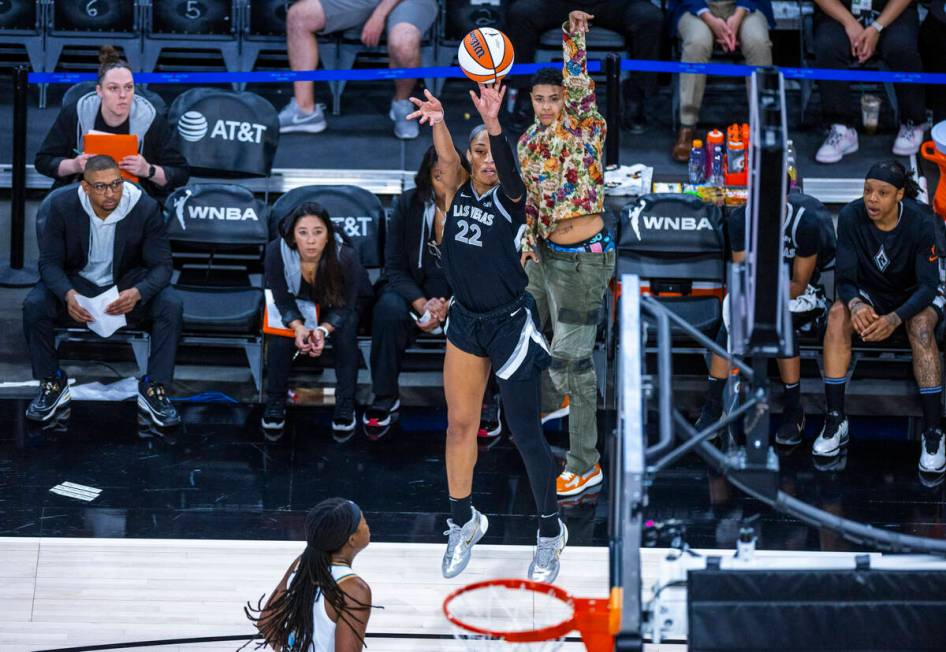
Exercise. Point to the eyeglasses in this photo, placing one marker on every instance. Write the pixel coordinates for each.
(101, 188)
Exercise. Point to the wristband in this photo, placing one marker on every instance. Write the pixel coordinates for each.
(853, 303)
(325, 331)
(876, 25)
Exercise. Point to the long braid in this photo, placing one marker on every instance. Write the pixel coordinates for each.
(289, 618)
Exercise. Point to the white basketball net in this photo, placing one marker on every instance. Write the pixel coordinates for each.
(502, 609)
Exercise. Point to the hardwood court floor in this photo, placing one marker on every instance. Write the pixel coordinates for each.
(57, 593)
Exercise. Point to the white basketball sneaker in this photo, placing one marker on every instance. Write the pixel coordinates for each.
(545, 562)
(460, 543)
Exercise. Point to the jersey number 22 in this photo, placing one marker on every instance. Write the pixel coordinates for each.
(474, 233)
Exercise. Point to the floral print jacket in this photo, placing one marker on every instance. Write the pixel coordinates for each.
(562, 164)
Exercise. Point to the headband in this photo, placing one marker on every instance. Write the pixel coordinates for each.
(355, 518)
(888, 174)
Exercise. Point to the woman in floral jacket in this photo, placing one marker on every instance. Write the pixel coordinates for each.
(567, 251)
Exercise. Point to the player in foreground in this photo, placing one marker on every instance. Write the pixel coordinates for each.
(492, 322)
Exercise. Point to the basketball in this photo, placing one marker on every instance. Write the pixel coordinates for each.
(485, 55)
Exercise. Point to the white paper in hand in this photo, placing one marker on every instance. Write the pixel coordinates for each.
(103, 324)
(274, 318)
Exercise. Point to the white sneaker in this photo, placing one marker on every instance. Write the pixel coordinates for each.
(840, 142)
(833, 436)
(933, 451)
(909, 139)
(460, 543)
(292, 119)
(545, 562)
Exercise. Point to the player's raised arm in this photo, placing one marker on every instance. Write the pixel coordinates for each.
(430, 111)
(488, 103)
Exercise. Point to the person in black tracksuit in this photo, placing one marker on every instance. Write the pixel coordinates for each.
(491, 323)
(114, 108)
(309, 265)
(888, 276)
(808, 249)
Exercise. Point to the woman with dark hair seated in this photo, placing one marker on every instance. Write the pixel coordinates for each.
(114, 108)
(309, 265)
(321, 605)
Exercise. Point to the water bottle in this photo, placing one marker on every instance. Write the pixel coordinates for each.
(716, 177)
(791, 165)
(696, 167)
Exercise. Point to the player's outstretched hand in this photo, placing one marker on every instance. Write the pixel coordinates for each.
(490, 100)
(429, 111)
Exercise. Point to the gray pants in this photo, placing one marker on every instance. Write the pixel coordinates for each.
(568, 288)
(697, 47)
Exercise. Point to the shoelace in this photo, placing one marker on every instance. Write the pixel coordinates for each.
(454, 532)
(50, 387)
(836, 135)
(908, 132)
(158, 392)
(568, 476)
(931, 442)
(546, 552)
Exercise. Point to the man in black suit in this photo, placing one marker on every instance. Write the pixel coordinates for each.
(107, 233)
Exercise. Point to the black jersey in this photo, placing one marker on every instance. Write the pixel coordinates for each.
(809, 231)
(481, 248)
(898, 268)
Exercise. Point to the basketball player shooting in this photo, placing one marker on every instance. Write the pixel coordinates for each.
(492, 324)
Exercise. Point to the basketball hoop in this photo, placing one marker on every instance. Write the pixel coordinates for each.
(519, 614)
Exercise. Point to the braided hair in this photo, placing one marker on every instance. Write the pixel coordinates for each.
(286, 623)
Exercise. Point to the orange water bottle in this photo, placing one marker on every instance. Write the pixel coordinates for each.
(735, 157)
(714, 139)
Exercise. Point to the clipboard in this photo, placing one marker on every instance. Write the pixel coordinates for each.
(272, 319)
(118, 146)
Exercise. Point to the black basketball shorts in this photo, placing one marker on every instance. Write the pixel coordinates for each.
(509, 336)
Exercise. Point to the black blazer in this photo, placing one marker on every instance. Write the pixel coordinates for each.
(142, 254)
(402, 246)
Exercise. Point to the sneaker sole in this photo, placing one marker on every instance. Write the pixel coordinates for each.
(304, 129)
(273, 425)
(594, 482)
(144, 407)
(939, 469)
(842, 155)
(64, 399)
(905, 152)
(345, 428)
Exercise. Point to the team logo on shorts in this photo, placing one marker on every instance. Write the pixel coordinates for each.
(881, 258)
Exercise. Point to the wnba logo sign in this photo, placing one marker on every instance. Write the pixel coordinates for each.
(192, 126)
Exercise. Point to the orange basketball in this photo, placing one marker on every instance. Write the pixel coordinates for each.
(485, 55)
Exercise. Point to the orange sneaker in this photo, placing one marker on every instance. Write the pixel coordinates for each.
(562, 411)
(569, 484)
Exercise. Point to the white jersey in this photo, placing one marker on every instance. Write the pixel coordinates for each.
(323, 636)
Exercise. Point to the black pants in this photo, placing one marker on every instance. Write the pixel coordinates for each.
(897, 47)
(392, 331)
(344, 341)
(43, 311)
(933, 53)
(639, 22)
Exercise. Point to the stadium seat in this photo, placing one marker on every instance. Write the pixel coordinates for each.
(457, 19)
(357, 213)
(74, 92)
(140, 341)
(675, 244)
(263, 28)
(91, 24)
(217, 233)
(22, 25)
(224, 133)
(192, 26)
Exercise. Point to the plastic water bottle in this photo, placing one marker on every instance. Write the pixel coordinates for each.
(716, 177)
(697, 164)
